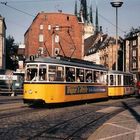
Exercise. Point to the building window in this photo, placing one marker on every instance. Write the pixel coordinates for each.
(134, 65)
(57, 28)
(41, 26)
(134, 52)
(49, 27)
(56, 38)
(68, 18)
(134, 42)
(41, 38)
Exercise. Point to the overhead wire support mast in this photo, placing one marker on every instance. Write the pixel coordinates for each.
(5, 3)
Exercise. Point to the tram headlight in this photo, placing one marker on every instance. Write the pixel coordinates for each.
(30, 91)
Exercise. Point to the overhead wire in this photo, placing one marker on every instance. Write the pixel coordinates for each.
(6, 4)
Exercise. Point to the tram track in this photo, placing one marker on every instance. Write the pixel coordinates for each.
(24, 110)
(50, 132)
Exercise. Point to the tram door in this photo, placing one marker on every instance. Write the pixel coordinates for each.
(115, 85)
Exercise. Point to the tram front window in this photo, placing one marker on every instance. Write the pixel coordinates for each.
(32, 74)
(42, 72)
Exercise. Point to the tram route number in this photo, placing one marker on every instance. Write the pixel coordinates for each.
(70, 90)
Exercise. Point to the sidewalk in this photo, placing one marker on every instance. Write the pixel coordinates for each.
(124, 126)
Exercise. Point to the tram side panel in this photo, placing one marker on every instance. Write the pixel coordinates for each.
(77, 92)
(129, 90)
(47, 93)
(59, 93)
(114, 91)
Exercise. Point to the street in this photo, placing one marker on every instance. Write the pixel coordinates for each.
(20, 121)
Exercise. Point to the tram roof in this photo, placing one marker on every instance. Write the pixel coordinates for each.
(119, 72)
(68, 61)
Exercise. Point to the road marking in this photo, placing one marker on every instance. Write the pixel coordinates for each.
(120, 126)
(137, 134)
(108, 109)
(127, 115)
(122, 134)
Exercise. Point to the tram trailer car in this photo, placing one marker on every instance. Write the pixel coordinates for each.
(60, 80)
(137, 86)
(120, 84)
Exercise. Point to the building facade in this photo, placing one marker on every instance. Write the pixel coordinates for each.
(2, 43)
(51, 34)
(132, 53)
(101, 49)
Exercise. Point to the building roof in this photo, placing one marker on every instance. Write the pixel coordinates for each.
(95, 42)
(51, 14)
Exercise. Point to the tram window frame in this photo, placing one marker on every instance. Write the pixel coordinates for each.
(70, 73)
(56, 73)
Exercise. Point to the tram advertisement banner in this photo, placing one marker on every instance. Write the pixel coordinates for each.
(71, 89)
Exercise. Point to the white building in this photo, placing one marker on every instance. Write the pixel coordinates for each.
(2, 43)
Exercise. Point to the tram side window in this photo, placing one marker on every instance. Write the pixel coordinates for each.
(79, 75)
(59, 73)
(51, 72)
(126, 80)
(119, 80)
(89, 76)
(56, 73)
(102, 77)
(70, 74)
(96, 76)
(112, 80)
(32, 74)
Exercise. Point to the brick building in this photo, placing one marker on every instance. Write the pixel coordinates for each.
(2, 42)
(55, 33)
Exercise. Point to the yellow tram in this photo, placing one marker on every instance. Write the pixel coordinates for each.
(120, 83)
(59, 80)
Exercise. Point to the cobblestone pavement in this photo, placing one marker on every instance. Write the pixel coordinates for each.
(76, 122)
(124, 126)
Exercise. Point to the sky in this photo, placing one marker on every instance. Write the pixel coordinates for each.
(19, 14)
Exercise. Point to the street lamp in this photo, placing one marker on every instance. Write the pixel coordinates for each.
(116, 4)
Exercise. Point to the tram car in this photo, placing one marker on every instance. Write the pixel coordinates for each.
(120, 84)
(59, 80)
(137, 88)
